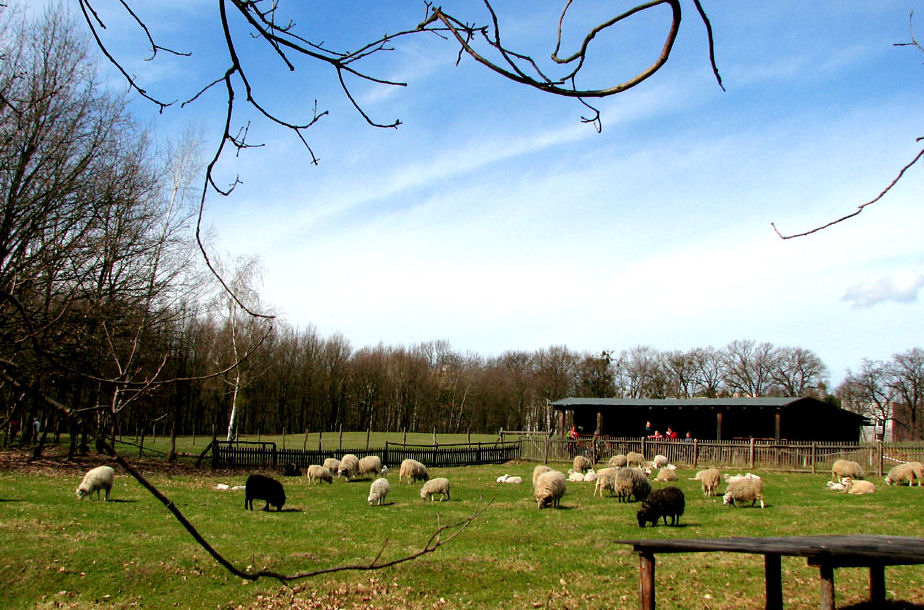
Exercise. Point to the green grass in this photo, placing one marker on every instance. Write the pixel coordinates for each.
(61, 551)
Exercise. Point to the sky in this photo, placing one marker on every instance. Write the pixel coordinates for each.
(493, 218)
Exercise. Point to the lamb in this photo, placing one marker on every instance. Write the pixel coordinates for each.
(606, 479)
(660, 461)
(412, 470)
(845, 468)
(582, 464)
(371, 464)
(631, 482)
(333, 465)
(900, 474)
(710, 479)
(666, 475)
(96, 479)
(575, 477)
(537, 471)
(663, 503)
(731, 478)
(590, 476)
(319, 473)
(618, 461)
(634, 458)
(835, 486)
(349, 466)
(550, 487)
(439, 485)
(743, 490)
(858, 487)
(259, 487)
(506, 478)
(378, 491)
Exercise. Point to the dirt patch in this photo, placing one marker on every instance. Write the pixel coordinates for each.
(54, 462)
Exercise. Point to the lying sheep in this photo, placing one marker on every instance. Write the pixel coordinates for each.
(747, 489)
(333, 465)
(550, 487)
(590, 476)
(731, 478)
(412, 470)
(631, 482)
(439, 485)
(378, 491)
(259, 487)
(582, 464)
(606, 480)
(97, 479)
(575, 477)
(618, 461)
(845, 468)
(710, 479)
(663, 503)
(349, 466)
(857, 488)
(666, 474)
(371, 464)
(634, 458)
(292, 470)
(319, 473)
(538, 471)
(901, 474)
(660, 461)
(835, 486)
(506, 478)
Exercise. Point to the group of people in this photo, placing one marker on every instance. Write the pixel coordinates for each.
(670, 435)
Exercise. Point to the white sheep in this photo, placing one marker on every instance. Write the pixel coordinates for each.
(575, 477)
(710, 478)
(856, 488)
(846, 468)
(550, 487)
(412, 470)
(538, 471)
(835, 486)
(632, 482)
(385, 471)
(618, 461)
(371, 464)
(744, 490)
(439, 485)
(513, 480)
(590, 476)
(99, 478)
(634, 458)
(378, 492)
(660, 461)
(349, 466)
(319, 473)
(918, 469)
(901, 474)
(606, 480)
(666, 474)
(581, 464)
(333, 465)
(731, 478)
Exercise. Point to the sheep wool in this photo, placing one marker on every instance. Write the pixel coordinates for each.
(439, 485)
(259, 487)
(320, 474)
(710, 479)
(550, 487)
(412, 470)
(581, 464)
(333, 465)
(618, 461)
(371, 464)
(901, 474)
(606, 480)
(660, 461)
(631, 482)
(857, 488)
(590, 476)
(538, 471)
(575, 477)
(349, 466)
(378, 491)
(97, 479)
(634, 458)
(846, 468)
(747, 489)
(918, 469)
(666, 475)
(662, 503)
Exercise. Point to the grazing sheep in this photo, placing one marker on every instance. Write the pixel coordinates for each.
(631, 482)
(663, 503)
(845, 468)
(96, 479)
(660, 461)
(538, 471)
(378, 491)
(333, 465)
(918, 469)
(582, 464)
(857, 487)
(666, 475)
(349, 466)
(550, 487)
(590, 476)
(439, 485)
(259, 487)
(618, 461)
(901, 474)
(744, 490)
(710, 479)
(319, 473)
(634, 458)
(412, 470)
(606, 480)
(371, 464)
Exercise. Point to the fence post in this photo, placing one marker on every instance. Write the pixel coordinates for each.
(642, 451)
(368, 434)
(548, 441)
(879, 458)
(751, 454)
(695, 452)
(813, 457)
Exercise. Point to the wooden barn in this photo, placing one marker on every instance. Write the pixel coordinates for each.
(799, 419)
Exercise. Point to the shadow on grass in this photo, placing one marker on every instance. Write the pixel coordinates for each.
(121, 501)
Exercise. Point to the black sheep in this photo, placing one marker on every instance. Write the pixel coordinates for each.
(260, 487)
(663, 503)
(292, 470)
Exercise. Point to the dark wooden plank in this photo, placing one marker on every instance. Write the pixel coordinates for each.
(773, 582)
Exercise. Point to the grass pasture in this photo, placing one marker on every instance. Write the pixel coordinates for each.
(59, 551)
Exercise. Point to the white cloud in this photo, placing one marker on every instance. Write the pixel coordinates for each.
(901, 287)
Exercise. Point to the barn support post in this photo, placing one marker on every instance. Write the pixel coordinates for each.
(599, 429)
(718, 425)
(778, 420)
(561, 423)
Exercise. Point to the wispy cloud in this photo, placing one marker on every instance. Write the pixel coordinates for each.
(901, 287)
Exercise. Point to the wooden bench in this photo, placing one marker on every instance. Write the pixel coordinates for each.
(824, 552)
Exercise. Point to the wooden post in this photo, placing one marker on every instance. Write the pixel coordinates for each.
(434, 437)
(695, 452)
(405, 435)
(646, 580)
(283, 438)
(778, 419)
(877, 591)
(813, 457)
(826, 575)
(718, 426)
(561, 422)
(773, 582)
(751, 454)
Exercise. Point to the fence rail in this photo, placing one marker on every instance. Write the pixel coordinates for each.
(799, 456)
(266, 456)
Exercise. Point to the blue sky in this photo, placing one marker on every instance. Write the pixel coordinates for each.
(494, 219)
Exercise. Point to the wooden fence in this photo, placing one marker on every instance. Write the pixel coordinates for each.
(798, 456)
(249, 455)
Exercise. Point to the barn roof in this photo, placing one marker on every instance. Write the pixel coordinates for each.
(572, 402)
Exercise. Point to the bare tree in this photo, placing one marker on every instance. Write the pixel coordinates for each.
(868, 393)
(748, 367)
(798, 371)
(709, 368)
(906, 380)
